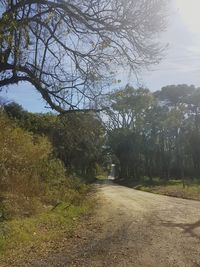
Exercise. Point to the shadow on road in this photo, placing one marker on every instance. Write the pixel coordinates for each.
(187, 228)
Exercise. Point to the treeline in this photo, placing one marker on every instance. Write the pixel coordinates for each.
(44, 157)
(77, 138)
(155, 134)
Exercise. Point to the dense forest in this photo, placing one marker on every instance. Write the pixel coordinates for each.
(155, 134)
(77, 139)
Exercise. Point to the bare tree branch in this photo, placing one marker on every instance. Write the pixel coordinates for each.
(67, 48)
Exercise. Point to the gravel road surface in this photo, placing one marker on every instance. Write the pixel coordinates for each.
(133, 228)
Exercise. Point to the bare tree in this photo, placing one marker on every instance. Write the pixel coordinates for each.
(69, 50)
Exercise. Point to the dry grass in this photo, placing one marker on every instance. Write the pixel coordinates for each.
(174, 188)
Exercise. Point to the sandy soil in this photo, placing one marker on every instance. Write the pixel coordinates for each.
(133, 228)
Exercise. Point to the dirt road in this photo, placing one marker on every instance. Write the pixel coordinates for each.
(133, 228)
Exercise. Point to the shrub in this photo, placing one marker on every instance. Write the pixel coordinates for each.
(21, 159)
(29, 174)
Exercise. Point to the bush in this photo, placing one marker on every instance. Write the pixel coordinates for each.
(30, 177)
(21, 158)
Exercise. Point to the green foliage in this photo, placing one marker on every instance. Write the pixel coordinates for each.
(19, 237)
(155, 134)
(175, 94)
(39, 203)
(21, 159)
(77, 139)
(30, 174)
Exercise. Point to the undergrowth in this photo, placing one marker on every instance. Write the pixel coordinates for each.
(188, 189)
(40, 202)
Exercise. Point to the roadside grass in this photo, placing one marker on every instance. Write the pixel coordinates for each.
(174, 190)
(188, 189)
(41, 233)
(40, 201)
(101, 177)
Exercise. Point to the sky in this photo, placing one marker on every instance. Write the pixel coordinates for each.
(180, 63)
